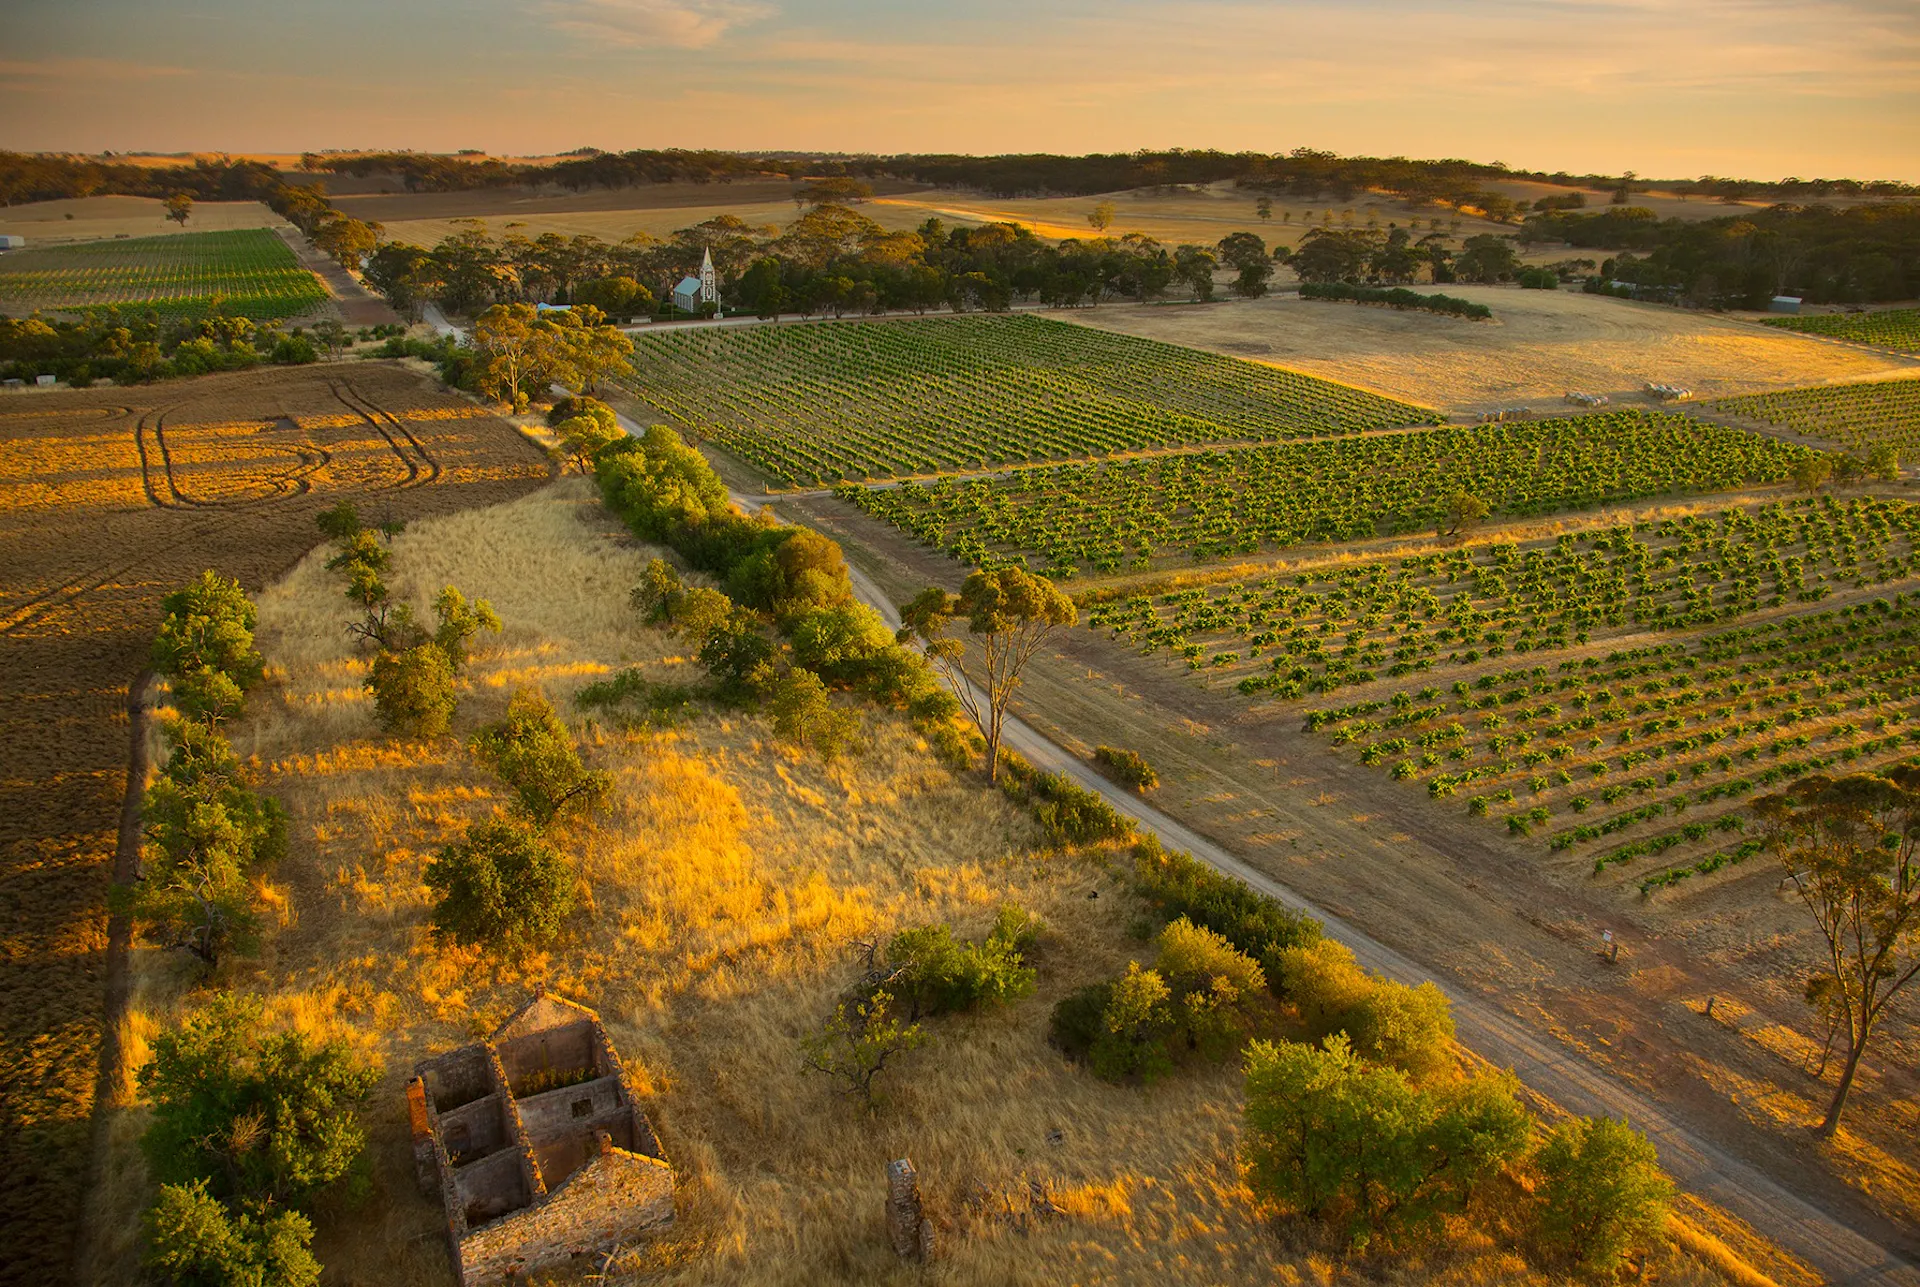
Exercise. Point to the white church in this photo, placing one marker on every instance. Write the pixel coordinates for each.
(692, 292)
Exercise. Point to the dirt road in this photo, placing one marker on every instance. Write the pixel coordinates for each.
(1541, 1061)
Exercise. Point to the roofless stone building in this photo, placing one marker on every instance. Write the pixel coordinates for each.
(533, 1141)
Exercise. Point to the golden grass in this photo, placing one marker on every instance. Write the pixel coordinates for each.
(726, 883)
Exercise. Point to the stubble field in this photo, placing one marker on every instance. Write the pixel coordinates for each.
(108, 499)
(1540, 346)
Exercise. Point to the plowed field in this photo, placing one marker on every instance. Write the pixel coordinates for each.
(108, 498)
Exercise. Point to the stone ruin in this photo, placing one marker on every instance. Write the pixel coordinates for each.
(535, 1145)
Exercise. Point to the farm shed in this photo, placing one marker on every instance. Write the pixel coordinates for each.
(535, 1146)
(11, 242)
(1784, 304)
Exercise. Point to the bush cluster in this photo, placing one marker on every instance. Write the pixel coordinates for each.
(249, 1126)
(1068, 814)
(1398, 297)
(129, 349)
(205, 830)
(1126, 767)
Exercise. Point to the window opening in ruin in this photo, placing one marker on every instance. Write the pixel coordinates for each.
(582, 1107)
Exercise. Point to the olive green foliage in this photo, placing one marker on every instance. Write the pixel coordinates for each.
(1177, 884)
(699, 612)
(660, 486)
(1384, 1021)
(1217, 992)
(1602, 1193)
(204, 647)
(257, 1114)
(412, 676)
(340, 523)
(584, 426)
(534, 754)
(194, 1240)
(857, 1044)
(635, 701)
(500, 888)
(205, 833)
(413, 692)
(1336, 1138)
(365, 558)
(932, 972)
(1068, 813)
(1135, 1027)
(805, 714)
(739, 657)
(1126, 767)
(658, 593)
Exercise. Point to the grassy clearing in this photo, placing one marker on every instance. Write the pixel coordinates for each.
(726, 882)
(245, 272)
(814, 404)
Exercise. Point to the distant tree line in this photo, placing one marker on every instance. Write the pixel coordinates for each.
(1864, 254)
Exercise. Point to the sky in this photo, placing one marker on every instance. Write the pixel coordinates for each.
(1666, 88)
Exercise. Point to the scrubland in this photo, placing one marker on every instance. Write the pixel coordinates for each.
(728, 883)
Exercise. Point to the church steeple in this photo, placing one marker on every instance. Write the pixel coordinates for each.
(709, 280)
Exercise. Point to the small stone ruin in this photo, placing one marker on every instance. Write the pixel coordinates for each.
(535, 1145)
(907, 1222)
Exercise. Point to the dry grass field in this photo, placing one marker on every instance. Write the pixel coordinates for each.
(726, 882)
(108, 499)
(98, 218)
(1540, 345)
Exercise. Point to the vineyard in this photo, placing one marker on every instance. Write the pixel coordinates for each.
(1855, 416)
(1327, 628)
(1893, 328)
(817, 404)
(1125, 515)
(250, 272)
(1657, 748)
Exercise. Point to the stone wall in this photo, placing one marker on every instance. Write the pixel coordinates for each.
(616, 1196)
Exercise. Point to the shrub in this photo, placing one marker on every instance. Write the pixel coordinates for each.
(855, 1046)
(339, 524)
(1385, 1021)
(1134, 1028)
(804, 713)
(1068, 813)
(738, 656)
(1539, 279)
(1216, 990)
(1335, 1138)
(1077, 1019)
(500, 887)
(207, 628)
(1602, 1192)
(1177, 884)
(459, 622)
(256, 1114)
(1126, 768)
(840, 643)
(194, 1241)
(936, 974)
(659, 705)
(293, 350)
(533, 753)
(658, 593)
(413, 691)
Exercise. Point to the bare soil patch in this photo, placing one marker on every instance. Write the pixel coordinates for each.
(108, 499)
(1540, 345)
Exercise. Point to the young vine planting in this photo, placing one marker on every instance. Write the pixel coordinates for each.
(1655, 749)
(1892, 328)
(1856, 416)
(1125, 515)
(862, 400)
(1325, 628)
(250, 272)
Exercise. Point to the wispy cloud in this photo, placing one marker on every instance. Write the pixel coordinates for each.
(657, 24)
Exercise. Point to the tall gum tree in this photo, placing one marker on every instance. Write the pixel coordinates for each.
(1852, 850)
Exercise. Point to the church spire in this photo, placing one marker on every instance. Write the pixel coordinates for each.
(709, 280)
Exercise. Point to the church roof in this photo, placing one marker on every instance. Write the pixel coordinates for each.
(688, 286)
